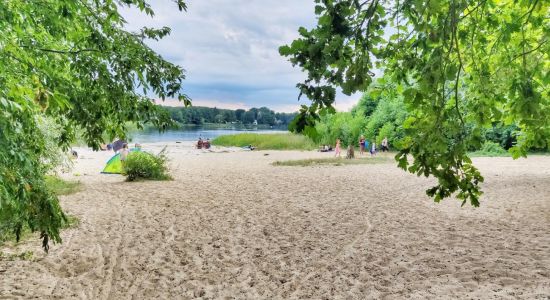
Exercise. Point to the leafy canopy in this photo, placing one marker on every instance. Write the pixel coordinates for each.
(73, 62)
(454, 62)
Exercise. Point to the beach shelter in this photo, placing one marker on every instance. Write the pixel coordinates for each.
(114, 165)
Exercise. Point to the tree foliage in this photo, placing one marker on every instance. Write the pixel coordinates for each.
(53, 158)
(71, 61)
(198, 115)
(379, 114)
(453, 61)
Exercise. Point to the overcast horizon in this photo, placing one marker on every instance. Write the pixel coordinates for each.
(229, 50)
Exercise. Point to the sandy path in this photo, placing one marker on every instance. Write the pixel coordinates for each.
(232, 226)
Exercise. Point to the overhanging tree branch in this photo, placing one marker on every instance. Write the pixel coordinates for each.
(73, 52)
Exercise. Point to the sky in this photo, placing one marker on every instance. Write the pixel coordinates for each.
(229, 49)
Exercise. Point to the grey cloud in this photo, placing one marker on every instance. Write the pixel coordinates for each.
(230, 48)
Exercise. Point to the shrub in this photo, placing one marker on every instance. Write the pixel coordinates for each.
(490, 149)
(504, 135)
(144, 165)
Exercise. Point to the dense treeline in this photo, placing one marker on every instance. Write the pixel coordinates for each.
(199, 115)
(375, 116)
(381, 112)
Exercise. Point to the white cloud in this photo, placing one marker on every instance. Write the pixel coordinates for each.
(204, 102)
(230, 48)
(288, 108)
(346, 103)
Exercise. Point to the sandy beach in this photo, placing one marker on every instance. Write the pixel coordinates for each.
(232, 226)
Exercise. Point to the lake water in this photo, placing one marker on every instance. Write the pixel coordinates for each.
(152, 135)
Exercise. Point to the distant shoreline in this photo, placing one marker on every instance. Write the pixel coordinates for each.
(234, 125)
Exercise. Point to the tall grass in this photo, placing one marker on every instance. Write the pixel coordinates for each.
(278, 141)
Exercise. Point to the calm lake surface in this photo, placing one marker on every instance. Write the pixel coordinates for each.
(193, 133)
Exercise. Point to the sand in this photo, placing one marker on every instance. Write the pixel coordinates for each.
(232, 226)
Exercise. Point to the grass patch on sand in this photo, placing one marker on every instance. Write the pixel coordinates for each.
(333, 161)
(488, 154)
(59, 187)
(63, 187)
(25, 255)
(276, 141)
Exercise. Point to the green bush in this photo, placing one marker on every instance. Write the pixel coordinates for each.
(144, 165)
(490, 149)
(505, 135)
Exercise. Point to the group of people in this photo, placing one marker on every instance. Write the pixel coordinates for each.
(325, 148)
(116, 146)
(203, 144)
(363, 145)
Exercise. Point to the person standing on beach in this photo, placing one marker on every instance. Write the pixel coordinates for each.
(373, 148)
(124, 154)
(362, 144)
(385, 144)
(337, 148)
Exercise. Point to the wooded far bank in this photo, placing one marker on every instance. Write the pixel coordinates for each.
(200, 115)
